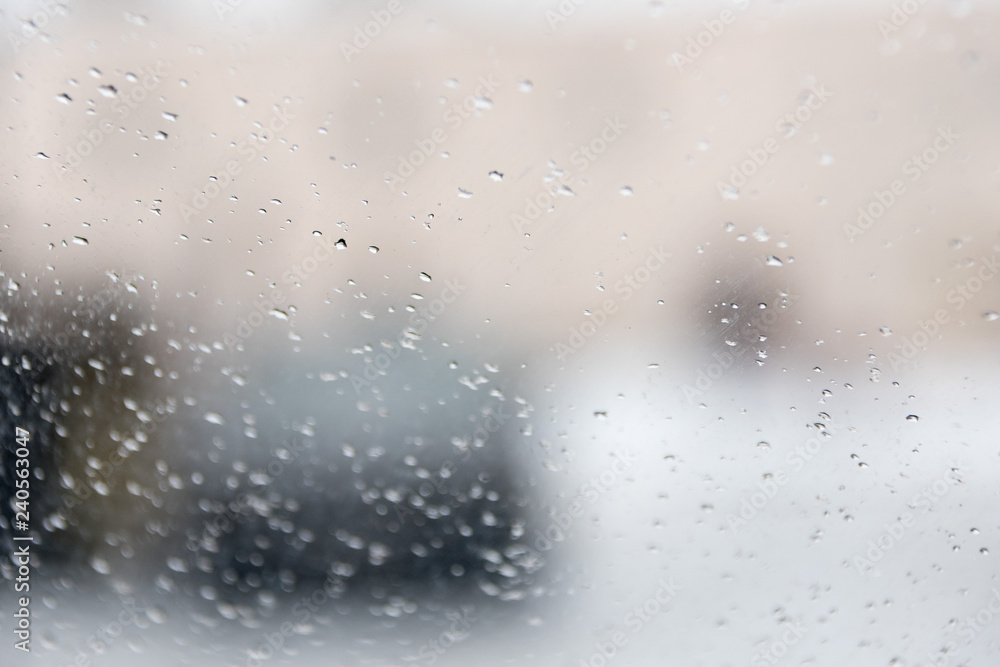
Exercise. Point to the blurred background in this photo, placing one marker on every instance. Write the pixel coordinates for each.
(537, 333)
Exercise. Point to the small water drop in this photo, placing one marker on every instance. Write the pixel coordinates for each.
(425, 277)
(79, 240)
(215, 418)
(496, 176)
(464, 194)
(373, 249)
(912, 418)
(240, 101)
(626, 191)
(341, 244)
(773, 261)
(991, 316)
(100, 565)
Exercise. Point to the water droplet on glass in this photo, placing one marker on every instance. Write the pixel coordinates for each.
(373, 249)
(425, 277)
(991, 316)
(214, 418)
(100, 565)
(464, 194)
(912, 418)
(496, 176)
(341, 244)
(240, 101)
(626, 191)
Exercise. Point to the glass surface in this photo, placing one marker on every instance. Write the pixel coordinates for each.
(518, 333)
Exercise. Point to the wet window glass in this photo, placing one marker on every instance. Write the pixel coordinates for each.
(535, 333)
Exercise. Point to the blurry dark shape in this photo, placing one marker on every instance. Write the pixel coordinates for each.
(747, 308)
(388, 467)
(68, 366)
(157, 456)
